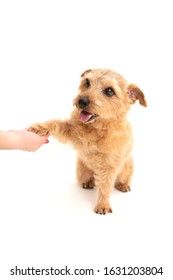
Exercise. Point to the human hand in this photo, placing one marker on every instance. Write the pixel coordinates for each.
(26, 140)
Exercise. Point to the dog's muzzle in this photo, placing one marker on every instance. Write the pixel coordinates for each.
(85, 116)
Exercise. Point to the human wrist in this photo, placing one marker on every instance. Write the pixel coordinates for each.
(8, 141)
(14, 140)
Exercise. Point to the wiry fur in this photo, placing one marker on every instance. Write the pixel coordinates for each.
(104, 144)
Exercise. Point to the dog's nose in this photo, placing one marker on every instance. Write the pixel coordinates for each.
(83, 102)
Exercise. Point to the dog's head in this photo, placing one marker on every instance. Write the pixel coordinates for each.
(105, 94)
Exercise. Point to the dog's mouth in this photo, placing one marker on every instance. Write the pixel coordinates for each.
(86, 117)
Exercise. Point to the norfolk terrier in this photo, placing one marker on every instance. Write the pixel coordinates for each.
(100, 132)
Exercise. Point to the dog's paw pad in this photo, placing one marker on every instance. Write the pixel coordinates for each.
(103, 209)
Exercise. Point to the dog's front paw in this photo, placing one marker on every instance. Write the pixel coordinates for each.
(103, 209)
(38, 129)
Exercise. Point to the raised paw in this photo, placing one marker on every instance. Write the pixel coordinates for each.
(38, 129)
(122, 187)
(103, 209)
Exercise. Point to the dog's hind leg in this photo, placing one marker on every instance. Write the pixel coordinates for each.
(124, 177)
(84, 175)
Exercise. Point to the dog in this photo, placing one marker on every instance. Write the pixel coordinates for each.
(100, 132)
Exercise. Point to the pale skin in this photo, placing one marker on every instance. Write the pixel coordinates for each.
(21, 140)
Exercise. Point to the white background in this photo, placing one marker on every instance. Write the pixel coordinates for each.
(46, 219)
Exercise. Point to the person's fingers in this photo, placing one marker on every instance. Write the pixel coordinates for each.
(45, 139)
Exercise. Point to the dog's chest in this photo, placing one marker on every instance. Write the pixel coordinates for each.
(88, 143)
(93, 141)
(107, 140)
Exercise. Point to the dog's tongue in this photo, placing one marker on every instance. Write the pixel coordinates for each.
(85, 116)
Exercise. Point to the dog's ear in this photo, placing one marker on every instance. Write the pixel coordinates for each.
(86, 72)
(134, 93)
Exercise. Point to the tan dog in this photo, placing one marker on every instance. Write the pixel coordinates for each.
(99, 131)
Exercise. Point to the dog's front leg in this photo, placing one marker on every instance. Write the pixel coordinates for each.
(61, 130)
(104, 182)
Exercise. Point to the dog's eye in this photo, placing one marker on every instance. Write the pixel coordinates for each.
(87, 83)
(109, 91)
